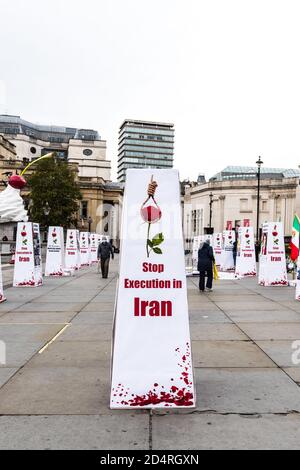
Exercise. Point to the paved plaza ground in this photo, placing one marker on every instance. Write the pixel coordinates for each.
(248, 394)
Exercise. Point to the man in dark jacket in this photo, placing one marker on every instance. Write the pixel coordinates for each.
(103, 254)
(205, 265)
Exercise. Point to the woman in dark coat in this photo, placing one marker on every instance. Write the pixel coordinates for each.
(205, 265)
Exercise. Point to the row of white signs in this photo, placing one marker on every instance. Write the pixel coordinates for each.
(81, 250)
(272, 262)
(223, 247)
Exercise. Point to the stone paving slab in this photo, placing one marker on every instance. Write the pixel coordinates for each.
(76, 298)
(272, 331)
(247, 390)
(118, 430)
(294, 373)
(28, 333)
(216, 332)
(99, 307)
(248, 306)
(262, 316)
(228, 354)
(208, 317)
(280, 351)
(93, 318)
(6, 373)
(56, 391)
(87, 332)
(51, 307)
(212, 431)
(8, 305)
(36, 317)
(74, 354)
(18, 353)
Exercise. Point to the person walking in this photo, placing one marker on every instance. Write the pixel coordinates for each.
(205, 265)
(103, 254)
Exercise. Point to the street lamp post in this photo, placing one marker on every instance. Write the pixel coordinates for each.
(210, 207)
(90, 221)
(46, 210)
(258, 163)
(211, 201)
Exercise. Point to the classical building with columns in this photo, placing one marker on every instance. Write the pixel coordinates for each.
(231, 197)
(22, 141)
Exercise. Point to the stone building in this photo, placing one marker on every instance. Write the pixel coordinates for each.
(233, 197)
(84, 150)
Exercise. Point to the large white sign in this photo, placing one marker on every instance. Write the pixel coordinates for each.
(152, 363)
(272, 263)
(28, 259)
(218, 247)
(227, 261)
(55, 258)
(72, 255)
(245, 259)
(2, 296)
(93, 248)
(85, 253)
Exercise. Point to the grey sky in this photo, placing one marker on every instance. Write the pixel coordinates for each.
(226, 72)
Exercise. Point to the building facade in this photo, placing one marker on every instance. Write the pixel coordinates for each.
(144, 144)
(230, 197)
(7, 149)
(84, 151)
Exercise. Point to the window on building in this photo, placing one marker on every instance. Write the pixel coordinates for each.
(84, 209)
(264, 205)
(244, 204)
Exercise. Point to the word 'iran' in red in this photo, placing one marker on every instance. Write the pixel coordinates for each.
(152, 308)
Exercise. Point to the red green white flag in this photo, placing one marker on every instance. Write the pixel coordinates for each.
(294, 244)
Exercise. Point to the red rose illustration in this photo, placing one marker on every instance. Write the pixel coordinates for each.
(151, 213)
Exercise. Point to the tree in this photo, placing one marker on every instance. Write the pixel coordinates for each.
(53, 186)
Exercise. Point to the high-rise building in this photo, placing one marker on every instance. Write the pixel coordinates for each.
(145, 144)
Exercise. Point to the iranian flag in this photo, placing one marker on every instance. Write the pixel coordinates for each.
(294, 244)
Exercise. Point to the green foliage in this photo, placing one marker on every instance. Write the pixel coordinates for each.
(53, 182)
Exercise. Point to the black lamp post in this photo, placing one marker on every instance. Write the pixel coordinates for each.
(90, 221)
(46, 210)
(211, 201)
(258, 163)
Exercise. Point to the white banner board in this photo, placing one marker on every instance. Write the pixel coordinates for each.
(93, 248)
(85, 253)
(28, 258)
(227, 261)
(245, 259)
(151, 357)
(218, 248)
(72, 255)
(272, 262)
(2, 296)
(55, 256)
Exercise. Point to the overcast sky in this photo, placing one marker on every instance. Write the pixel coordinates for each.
(225, 72)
